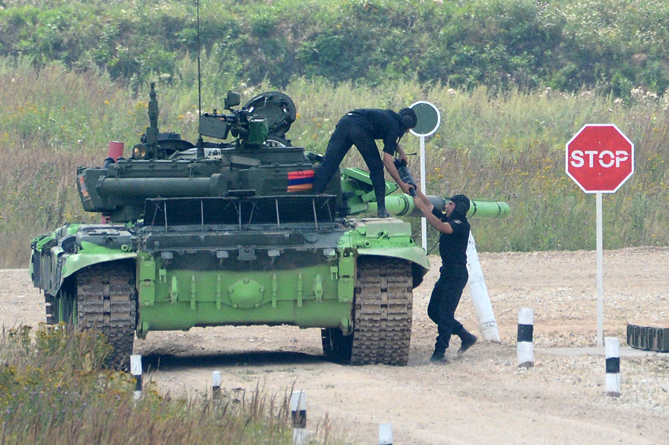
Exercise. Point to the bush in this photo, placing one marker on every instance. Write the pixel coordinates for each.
(54, 390)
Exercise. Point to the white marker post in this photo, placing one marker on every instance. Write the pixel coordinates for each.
(136, 371)
(612, 353)
(525, 338)
(599, 158)
(216, 385)
(298, 410)
(428, 120)
(385, 434)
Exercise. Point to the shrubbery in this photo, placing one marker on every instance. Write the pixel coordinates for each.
(54, 390)
(611, 45)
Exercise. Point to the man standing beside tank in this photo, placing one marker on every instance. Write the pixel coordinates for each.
(454, 229)
(361, 128)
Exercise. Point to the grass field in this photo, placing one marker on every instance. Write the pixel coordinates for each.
(508, 147)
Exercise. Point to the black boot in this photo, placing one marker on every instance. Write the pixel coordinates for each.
(383, 213)
(468, 341)
(439, 354)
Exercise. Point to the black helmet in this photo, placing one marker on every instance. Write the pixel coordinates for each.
(462, 204)
(408, 118)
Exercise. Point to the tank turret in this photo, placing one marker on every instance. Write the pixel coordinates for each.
(258, 162)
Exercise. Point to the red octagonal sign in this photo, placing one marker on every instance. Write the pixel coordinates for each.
(600, 158)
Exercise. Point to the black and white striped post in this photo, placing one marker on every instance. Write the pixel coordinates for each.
(136, 371)
(216, 385)
(298, 409)
(612, 352)
(525, 334)
(385, 434)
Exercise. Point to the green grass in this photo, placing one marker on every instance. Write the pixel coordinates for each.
(54, 390)
(504, 147)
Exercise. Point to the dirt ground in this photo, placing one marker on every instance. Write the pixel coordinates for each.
(480, 398)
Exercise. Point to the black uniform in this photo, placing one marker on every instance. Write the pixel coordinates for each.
(361, 128)
(452, 280)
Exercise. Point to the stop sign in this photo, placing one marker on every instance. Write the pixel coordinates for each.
(600, 158)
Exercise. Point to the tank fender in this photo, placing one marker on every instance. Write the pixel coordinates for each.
(49, 271)
(76, 262)
(415, 255)
(68, 265)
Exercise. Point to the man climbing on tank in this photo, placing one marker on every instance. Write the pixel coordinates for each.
(454, 236)
(361, 128)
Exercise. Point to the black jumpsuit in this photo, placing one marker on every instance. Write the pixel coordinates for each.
(361, 128)
(452, 280)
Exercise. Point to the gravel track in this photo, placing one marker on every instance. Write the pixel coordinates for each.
(480, 398)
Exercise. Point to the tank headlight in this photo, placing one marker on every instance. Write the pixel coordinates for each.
(139, 152)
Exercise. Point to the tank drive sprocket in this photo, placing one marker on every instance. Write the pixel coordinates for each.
(107, 301)
(382, 316)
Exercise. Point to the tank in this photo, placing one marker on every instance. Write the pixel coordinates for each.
(227, 232)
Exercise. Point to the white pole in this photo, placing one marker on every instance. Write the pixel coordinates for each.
(525, 337)
(612, 367)
(216, 385)
(479, 293)
(600, 274)
(298, 409)
(385, 434)
(136, 371)
(423, 221)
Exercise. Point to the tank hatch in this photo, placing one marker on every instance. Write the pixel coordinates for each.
(277, 108)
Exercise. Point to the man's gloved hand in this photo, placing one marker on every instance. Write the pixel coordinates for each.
(405, 176)
(408, 189)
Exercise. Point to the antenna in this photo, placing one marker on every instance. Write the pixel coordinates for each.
(199, 78)
(200, 142)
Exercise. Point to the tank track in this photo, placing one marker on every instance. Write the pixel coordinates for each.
(107, 302)
(382, 312)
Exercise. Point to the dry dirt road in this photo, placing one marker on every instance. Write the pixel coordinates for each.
(481, 398)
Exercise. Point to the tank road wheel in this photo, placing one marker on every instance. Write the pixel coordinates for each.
(63, 307)
(51, 309)
(107, 302)
(66, 305)
(336, 346)
(382, 312)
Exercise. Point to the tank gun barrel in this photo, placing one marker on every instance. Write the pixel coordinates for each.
(402, 205)
(360, 198)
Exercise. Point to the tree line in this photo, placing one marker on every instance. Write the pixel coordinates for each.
(611, 46)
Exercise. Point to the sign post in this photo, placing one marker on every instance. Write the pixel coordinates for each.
(599, 158)
(428, 120)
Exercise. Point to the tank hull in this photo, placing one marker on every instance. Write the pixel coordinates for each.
(215, 275)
